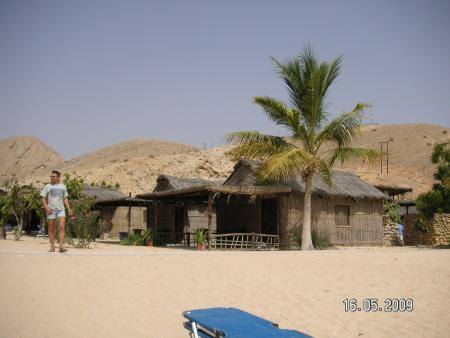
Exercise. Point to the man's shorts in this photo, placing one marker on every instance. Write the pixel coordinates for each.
(56, 213)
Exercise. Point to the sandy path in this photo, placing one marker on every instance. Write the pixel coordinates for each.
(114, 291)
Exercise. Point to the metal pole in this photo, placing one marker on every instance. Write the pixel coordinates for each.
(387, 157)
(381, 151)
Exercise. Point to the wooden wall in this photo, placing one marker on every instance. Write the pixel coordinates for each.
(238, 215)
(116, 219)
(195, 217)
(365, 228)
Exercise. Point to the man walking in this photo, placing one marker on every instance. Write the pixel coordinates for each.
(54, 197)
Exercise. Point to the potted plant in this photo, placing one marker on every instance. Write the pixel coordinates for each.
(147, 236)
(200, 238)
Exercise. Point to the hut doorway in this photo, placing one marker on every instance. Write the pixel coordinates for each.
(269, 216)
(179, 223)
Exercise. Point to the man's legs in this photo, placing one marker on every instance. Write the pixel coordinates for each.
(51, 233)
(61, 234)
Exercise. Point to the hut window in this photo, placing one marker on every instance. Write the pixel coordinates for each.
(342, 214)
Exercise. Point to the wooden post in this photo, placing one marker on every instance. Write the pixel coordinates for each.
(209, 220)
(129, 216)
(155, 221)
(387, 157)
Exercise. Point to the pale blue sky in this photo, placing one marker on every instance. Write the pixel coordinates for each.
(81, 75)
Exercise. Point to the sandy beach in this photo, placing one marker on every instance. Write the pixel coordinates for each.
(116, 291)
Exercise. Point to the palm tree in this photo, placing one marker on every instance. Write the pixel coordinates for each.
(309, 126)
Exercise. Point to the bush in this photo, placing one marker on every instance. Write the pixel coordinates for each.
(319, 242)
(133, 239)
(85, 226)
(392, 211)
(438, 199)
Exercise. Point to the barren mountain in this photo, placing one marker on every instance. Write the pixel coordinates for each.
(123, 152)
(23, 156)
(409, 155)
(136, 164)
(137, 174)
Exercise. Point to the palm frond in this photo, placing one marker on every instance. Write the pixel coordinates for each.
(255, 145)
(347, 154)
(292, 75)
(324, 172)
(279, 112)
(343, 128)
(287, 165)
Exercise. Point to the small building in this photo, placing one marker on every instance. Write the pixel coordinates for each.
(395, 192)
(350, 213)
(119, 212)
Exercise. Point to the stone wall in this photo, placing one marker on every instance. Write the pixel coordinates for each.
(438, 230)
(390, 233)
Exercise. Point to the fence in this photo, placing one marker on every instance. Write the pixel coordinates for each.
(245, 241)
(232, 241)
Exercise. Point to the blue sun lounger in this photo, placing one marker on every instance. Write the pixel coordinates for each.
(233, 323)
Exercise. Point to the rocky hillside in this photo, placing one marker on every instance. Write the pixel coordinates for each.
(24, 156)
(138, 174)
(410, 148)
(136, 164)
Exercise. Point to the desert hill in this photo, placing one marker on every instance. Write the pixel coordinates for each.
(123, 152)
(410, 148)
(136, 164)
(137, 174)
(23, 156)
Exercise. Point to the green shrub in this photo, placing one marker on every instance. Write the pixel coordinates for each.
(201, 236)
(133, 239)
(392, 211)
(319, 242)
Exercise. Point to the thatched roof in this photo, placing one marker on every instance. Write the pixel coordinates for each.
(243, 181)
(345, 184)
(124, 202)
(392, 190)
(206, 189)
(170, 183)
(102, 194)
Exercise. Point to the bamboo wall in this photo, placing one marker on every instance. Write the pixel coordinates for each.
(365, 228)
(195, 217)
(116, 219)
(238, 215)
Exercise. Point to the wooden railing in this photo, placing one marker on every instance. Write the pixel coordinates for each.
(184, 239)
(233, 241)
(245, 241)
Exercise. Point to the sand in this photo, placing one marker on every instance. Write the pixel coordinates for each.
(115, 291)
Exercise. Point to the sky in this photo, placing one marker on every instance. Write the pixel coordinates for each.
(82, 75)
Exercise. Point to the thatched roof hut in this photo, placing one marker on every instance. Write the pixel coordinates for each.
(348, 213)
(100, 194)
(345, 184)
(171, 183)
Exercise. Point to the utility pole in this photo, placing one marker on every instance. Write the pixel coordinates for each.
(387, 156)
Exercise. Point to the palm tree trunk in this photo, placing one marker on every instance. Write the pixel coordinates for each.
(306, 228)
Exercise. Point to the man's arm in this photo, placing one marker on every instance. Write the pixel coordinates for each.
(66, 203)
(47, 209)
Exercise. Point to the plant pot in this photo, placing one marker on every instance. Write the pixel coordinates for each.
(149, 242)
(123, 235)
(201, 246)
